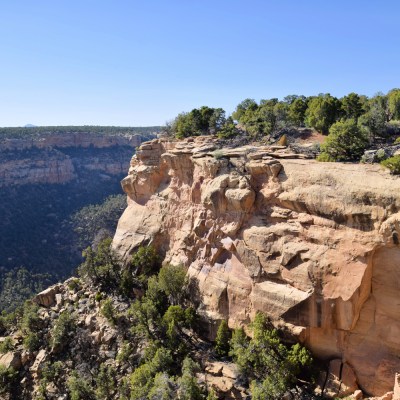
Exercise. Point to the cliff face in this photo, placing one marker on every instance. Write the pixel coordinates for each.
(60, 158)
(313, 245)
(69, 139)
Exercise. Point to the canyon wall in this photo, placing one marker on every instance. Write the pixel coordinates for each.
(61, 158)
(69, 139)
(47, 175)
(313, 245)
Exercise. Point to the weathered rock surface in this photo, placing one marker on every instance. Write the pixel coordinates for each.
(74, 139)
(313, 245)
(47, 297)
(91, 342)
(61, 158)
(338, 381)
(11, 359)
(221, 377)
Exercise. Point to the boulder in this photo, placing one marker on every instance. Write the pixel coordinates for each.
(47, 298)
(11, 359)
(39, 361)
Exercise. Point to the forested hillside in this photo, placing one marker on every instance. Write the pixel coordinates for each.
(48, 177)
(40, 131)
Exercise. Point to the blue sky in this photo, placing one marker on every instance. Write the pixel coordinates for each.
(131, 63)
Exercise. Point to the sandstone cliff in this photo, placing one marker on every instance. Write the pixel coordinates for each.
(313, 245)
(61, 157)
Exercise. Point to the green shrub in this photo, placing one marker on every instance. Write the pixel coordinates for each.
(52, 372)
(271, 366)
(124, 388)
(380, 155)
(6, 345)
(393, 164)
(189, 388)
(7, 379)
(199, 121)
(31, 341)
(11, 319)
(346, 141)
(163, 388)
(322, 111)
(145, 261)
(63, 327)
(174, 321)
(101, 266)
(172, 280)
(211, 395)
(324, 157)
(74, 284)
(142, 379)
(105, 382)
(31, 321)
(228, 129)
(79, 388)
(218, 154)
(98, 296)
(125, 352)
(108, 311)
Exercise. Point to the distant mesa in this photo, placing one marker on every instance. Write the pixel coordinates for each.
(30, 126)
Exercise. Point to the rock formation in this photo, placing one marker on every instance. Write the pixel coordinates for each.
(61, 158)
(48, 174)
(313, 245)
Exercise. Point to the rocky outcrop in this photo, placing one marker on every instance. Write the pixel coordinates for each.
(221, 377)
(313, 245)
(90, 341)
(47, 297)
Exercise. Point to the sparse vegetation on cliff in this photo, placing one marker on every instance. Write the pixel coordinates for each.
(353, 122)
(148, 344)
(270, 366)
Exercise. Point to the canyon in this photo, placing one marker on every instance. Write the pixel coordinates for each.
(313, 245)
(46, 175)
(53, 157)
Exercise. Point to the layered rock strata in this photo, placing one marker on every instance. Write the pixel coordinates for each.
(69, 139)
(61, 158)
(313, 245)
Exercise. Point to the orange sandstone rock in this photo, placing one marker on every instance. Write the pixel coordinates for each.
(313, 245)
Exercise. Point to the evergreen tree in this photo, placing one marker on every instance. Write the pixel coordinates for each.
(346, 142)
(222, 339)
(322, 112)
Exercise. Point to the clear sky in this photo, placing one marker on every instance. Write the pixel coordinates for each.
(131, 63)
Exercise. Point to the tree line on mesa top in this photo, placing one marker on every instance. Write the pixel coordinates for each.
(351, 123)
